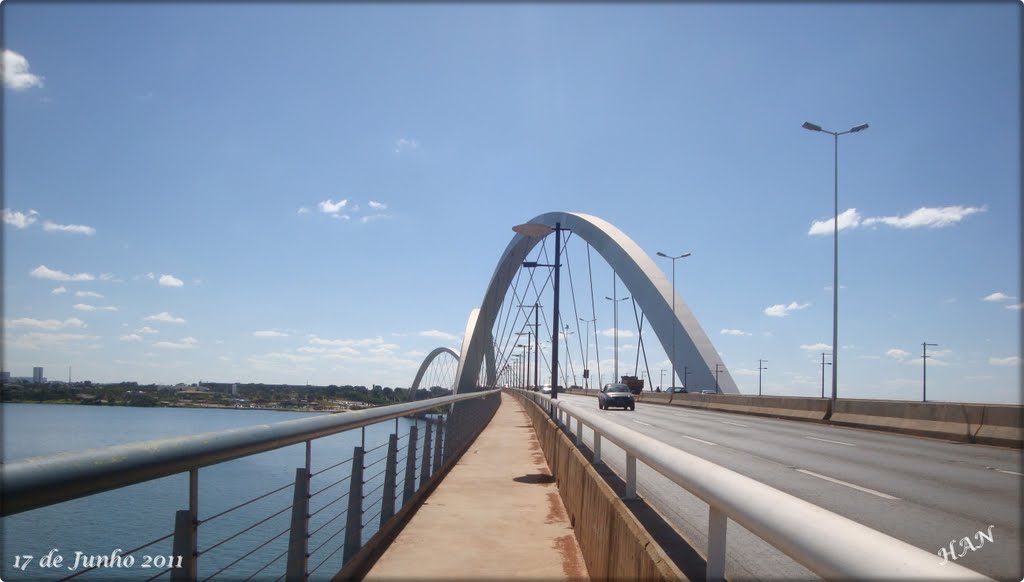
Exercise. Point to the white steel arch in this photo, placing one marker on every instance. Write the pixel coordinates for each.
(426, 364)
(646, 282)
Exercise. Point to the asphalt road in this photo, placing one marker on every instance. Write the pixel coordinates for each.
(926, 492)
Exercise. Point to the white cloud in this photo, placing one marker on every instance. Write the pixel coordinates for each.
(92, 308)
(16, 72)
(59, 290)
(303, 210)
(19, 219)
(372, 217)
(1016, 306)
(132, 337)
(49, 324)
(377, 205)
(897, 354)
(1009, 361)
(182, 344)
(109, 277)
(927, 217)
(171, 281)
(734, 332)
(781, 310)
(164, 317)
(146, 329)
(69, 228)
(610, 332)
(818, 347)
(847, 219)
(87, 294)
(42, 272)
(997, 296)
(269, 333)
(41, 340)
(433, 333)
(405, 144)
(330, 207)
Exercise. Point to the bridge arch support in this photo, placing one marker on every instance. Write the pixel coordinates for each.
(645, 281)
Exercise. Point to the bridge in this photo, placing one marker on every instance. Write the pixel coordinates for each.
(500, 480)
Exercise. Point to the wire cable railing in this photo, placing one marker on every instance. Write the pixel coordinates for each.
(401, 465)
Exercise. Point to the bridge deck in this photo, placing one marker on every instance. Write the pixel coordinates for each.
(496, 515)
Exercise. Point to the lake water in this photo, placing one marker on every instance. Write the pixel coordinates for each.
(132, 516)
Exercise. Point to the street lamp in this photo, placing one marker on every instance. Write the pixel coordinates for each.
(835, 245)
(823, 364)
(673, 358)
(924, 370)
(526, 357)
(586, 363)
(542, 230)
(615, 303)
(759, 368)
(718, 368)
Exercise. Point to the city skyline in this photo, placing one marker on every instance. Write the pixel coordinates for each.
(320, 193)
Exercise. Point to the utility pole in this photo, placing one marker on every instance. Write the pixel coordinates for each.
(823, 364)
(759, 368)
(924, 370)
(717, 370)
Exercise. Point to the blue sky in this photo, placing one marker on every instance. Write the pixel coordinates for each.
(320, 192)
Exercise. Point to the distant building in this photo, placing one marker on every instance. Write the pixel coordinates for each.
(37, 375)
(5, 376)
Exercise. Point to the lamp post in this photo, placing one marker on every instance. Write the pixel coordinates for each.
(565, 335)
(823, 364)
(526, 357)
(542, 230)
(759, 368)
(615, 303)
(835, 243)
(718, 368)
(673, 358)
(924, 370)
(586, 363)
(686, 372)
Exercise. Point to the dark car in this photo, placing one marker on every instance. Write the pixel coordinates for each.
(678, 390)
(618, 395)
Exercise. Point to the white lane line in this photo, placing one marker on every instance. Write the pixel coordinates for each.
(857, 487)
(697, 439)
(732, 423)
(1010, 472)
(828, 441)
(643, 423)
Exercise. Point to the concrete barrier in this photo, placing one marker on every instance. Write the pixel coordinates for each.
(989, 424)
(614, 545)
(791, 407)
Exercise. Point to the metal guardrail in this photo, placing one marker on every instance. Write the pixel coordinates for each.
(831, 546)
(37, 482)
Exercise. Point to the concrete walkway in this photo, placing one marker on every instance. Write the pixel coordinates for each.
(496, 515)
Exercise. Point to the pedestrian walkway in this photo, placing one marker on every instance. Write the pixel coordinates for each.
(496, 515)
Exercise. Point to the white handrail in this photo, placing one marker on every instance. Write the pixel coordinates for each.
(828, 544)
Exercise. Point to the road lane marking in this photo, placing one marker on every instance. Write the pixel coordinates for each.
(733, 423)
(643, 423)
(857, 487)
(1009, 472)
(697, 439)
(828, 441)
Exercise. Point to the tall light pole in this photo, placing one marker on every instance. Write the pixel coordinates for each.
(542, 230)
(673, 358)
(835, 244)
(924, 370)
(615, 303)
(586, 364)
(823, 364)
(526, 357)
(760, 367)
(718, 368)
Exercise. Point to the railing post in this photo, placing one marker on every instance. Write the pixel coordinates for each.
(354, 519)
(449, 435)
(630, 476)
(438, 442)
(597, 448)
(717, 523)
(186, 533)
(387, 503)
(425, 466)
(298, 538)
(183, 539)
(409, 485)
